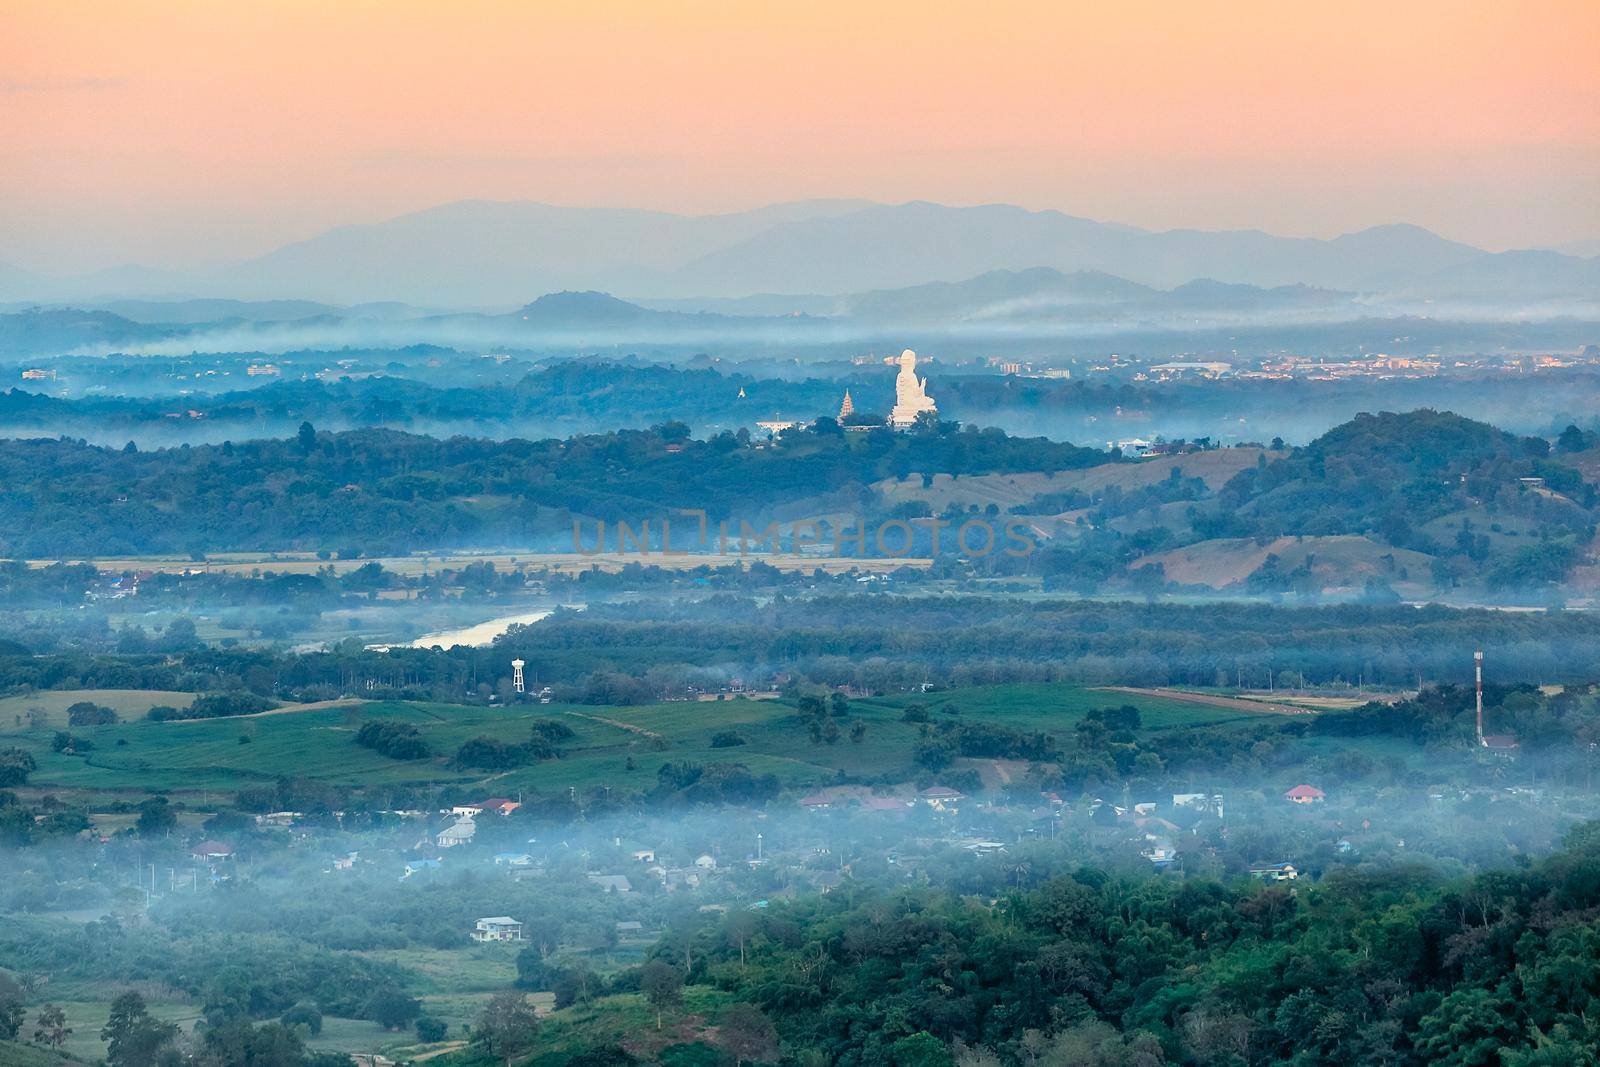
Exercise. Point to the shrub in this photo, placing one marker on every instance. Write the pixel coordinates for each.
(397, 740)
(87, 713)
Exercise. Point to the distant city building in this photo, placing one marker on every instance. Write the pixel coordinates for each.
(1135, 448)
(1202, 370)
(911, 397)
(777, 426)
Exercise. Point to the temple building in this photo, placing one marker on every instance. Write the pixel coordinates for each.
(910, 394)
(847, 408)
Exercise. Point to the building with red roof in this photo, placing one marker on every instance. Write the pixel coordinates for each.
(1305, 794)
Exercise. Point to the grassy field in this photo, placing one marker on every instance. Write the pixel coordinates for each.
(17, 1054)
(127, 703)
(86, 1018)
(1007, 490)
(213, 757)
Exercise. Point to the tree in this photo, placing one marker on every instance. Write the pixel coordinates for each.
(236, 1042)
(156, 817)
(508, 1026)
(51, 1028)
(15, 766)
(305, 1015)
(748, 1034)
(605, 1055)
(430, 1030)
(307, 438)
(662, 986)
(12, 1014)
(920, 1050)
(1572, 439)
(392, 1009)
(132, 1037)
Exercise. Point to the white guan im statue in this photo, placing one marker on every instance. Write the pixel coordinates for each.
(910, 394)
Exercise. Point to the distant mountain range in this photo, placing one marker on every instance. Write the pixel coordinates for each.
(490, 255)
(1037, 302)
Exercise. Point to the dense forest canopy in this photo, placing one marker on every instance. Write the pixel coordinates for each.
(381, 488)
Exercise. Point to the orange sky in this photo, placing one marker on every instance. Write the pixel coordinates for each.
(176, 132)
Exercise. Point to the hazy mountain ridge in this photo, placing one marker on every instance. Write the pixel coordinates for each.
(489, 255)
(1037, 301)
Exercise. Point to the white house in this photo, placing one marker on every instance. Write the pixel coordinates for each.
(461, 833)
(513, 859)
(1275, 872)
(941, 798)
(497, 928)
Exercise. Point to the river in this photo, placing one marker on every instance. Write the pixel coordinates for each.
(482, 633)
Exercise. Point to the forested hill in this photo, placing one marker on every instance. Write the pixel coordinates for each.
(386, 490)
(1372, 966)
(1390, 474)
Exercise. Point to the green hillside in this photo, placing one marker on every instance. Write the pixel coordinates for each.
(618, 746)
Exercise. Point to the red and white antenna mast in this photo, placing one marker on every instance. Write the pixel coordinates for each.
(1478, 662)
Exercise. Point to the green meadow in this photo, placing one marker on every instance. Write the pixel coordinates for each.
(617, 746)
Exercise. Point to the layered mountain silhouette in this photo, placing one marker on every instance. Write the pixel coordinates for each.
(490, 255)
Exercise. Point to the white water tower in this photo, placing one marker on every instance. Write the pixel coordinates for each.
(516, 674)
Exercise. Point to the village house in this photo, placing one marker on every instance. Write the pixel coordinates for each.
(418, 866)
(941, 798)
(1503, 745)
(1305, 794)
(498, 806)
(460, 833)
(512, 859)
(211, 851)
(1203, 802)
(1158, 850)
(497, 928)
(611, 883)
(278, 818)
(826, 881)
(1275, 872)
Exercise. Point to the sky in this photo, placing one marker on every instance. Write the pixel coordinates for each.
(187, 133)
